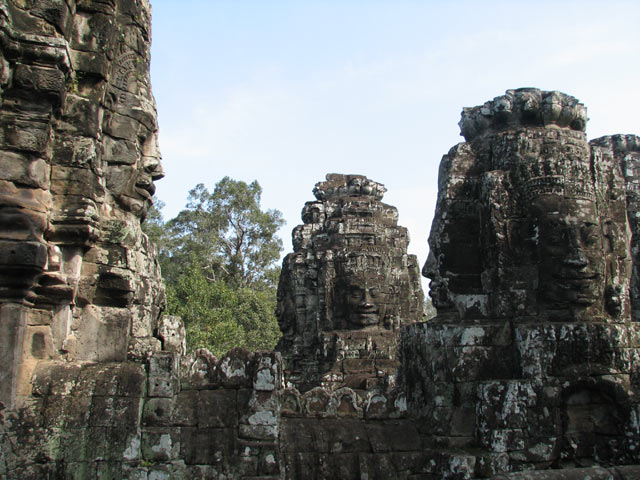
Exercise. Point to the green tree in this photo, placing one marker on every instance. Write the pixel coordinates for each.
(218, 259)
(219, 316)
(153, 224)
(228, 235)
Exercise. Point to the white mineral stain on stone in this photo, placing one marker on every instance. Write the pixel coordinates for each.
(158, 475)
(133, 450)
(466, 302)
(472, 336)
(264, 380)
(542, 450)
(376, 399)
(262, 418)
(164, 445)
(230, 370)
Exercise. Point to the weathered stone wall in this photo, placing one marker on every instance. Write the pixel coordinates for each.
(178, 417)
(201, 417)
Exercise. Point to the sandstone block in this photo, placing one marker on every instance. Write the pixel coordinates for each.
(236, 368)
(42, 80)
(217, 408)
(160, 444)
(206, 446)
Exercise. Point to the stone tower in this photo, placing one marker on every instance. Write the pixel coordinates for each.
(624, 150)
(530, 358)
(347, 288)
(78, 158)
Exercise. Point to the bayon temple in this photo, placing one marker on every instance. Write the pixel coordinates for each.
(530, 370)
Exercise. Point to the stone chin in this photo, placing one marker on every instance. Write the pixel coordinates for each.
(578, 291)
(139, 206)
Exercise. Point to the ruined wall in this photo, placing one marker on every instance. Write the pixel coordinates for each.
(531, 362)
(177, 417)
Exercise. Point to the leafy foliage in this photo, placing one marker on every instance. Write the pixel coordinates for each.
(228, 234)
(153, 224)
(218, 259)
(219, 317)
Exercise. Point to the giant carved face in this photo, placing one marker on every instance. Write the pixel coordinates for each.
(365, 300)
(570, 248)
(437, 289)
(131, 182)
(130, 143)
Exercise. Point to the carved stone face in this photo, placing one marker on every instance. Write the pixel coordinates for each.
(366, 300)
(130, 180)
(437, 290)
(571, 253)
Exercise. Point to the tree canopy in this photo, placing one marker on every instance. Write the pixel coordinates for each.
(227, 234)
(219, 261)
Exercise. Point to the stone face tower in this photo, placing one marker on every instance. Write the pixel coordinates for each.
(78, 157)
(347, 288)
(530, 221)
(531, 356)
(624, 150)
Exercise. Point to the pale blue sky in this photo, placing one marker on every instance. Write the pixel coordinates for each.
(286, 91)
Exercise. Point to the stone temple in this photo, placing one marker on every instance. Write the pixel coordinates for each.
(530, 371)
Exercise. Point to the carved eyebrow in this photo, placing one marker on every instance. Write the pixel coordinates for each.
(590, 225)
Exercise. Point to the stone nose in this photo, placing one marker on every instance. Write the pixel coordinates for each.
(576, 260)
(575, 257)
(430, 266)
(366, 297)
(153, 168)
